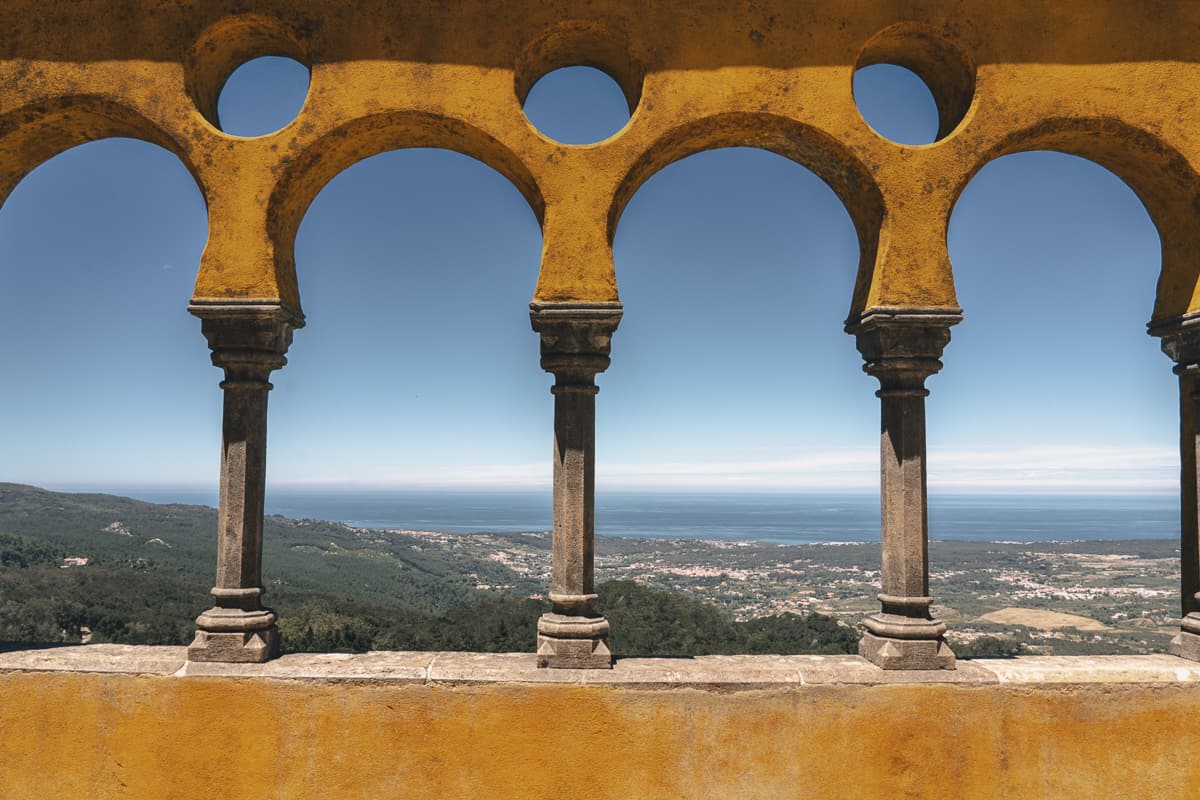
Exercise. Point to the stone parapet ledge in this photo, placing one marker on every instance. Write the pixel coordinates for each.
(133, 723)
(721, 672)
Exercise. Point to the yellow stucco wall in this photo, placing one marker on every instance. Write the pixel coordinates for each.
(96, 736)
(1109, 80)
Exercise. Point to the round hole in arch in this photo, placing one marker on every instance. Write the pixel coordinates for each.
(262, 96)
(897, 104)
(577, 105)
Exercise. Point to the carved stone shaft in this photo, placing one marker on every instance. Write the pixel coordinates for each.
(902, 348)
(1181, 342)
(575, 342)
(248, 343)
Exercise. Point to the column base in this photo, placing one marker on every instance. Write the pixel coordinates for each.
(1186, 643)
(252, 647)
(234, 635)
(887, 653)
(566, 642)
(905, 636)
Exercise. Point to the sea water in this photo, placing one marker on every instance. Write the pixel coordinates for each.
(786, 518)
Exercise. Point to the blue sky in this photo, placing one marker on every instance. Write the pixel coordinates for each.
(401, 380)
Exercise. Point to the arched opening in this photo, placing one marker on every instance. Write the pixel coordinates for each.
(413, 398)
(110, 390)
(845, 175)
(1056, 413)
(368, 136)
(736, 407)
(418, 360)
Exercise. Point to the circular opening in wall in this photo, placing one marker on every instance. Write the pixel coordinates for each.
(897, 104)
(577, 105)
(912, 85)
(262, 96)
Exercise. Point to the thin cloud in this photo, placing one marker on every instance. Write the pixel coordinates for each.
(1043, 469)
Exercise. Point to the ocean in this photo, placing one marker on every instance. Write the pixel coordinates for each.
(785, 518)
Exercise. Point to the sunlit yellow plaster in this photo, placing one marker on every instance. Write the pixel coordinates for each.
(1104, 79)
(115, 736)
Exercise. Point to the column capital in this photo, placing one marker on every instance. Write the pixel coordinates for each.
(902, 346)
(1180, 341)
(576, 338)
(247, 340)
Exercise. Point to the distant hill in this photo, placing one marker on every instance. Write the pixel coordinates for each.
(149, 567)
(303, 556)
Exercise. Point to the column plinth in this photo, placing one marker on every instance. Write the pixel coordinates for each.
(1181, 342)
(575, 344)
(1186, 643)
(901, 348)
(248, 343)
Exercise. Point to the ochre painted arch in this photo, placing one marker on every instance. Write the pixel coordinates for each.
(809, 147)
(1165, 182)
(363, 138)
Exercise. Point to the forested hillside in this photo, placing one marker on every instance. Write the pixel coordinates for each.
(149, 567)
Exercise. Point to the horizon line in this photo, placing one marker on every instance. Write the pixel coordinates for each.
(855, 491)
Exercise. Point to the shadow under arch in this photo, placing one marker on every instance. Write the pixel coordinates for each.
(35, 133)
(809, 147)
(1163, 180)
(369, 136)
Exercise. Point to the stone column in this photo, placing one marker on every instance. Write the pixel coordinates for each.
(1181, 341)
(247, 342)
(901, 348)
(576, 339)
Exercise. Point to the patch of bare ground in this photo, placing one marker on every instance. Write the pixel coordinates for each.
(1043, 619)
